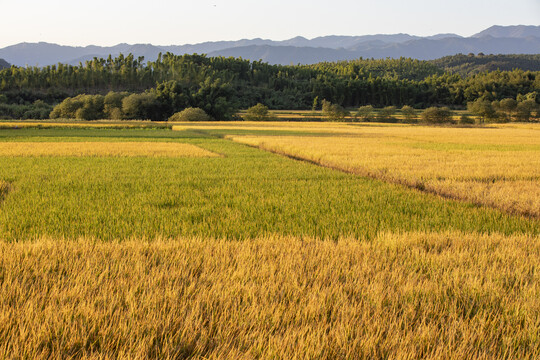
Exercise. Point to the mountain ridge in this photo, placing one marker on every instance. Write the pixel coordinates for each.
(516, 39)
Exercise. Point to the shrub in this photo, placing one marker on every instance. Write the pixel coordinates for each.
(437, 115)
(140, 106)
(527, 110)
(112, 105)
(82, 107)
(37, 110)
(365, 113)
(334, 112)
(484, 109)
(258, 112)
(466, 120)
(190, 114)
(408, 113)
(387, 113)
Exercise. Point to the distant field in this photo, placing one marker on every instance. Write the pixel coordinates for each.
(144, 242)
(140, 148)
(317, 115)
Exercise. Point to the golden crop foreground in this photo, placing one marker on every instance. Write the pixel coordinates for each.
(152, 149)
(498, 167)
(448, 295)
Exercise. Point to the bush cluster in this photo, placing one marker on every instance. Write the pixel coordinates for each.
(37, 110)
(190, 114)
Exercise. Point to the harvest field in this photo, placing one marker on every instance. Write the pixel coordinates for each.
(215, 249)
(84, 148)
(499, 167)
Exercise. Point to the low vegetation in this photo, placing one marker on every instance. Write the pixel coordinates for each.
(190, 114)
(437, 115)
(128, 239)
(334, 112)
(258, 112)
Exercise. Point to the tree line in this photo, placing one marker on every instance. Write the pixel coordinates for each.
(157, 89)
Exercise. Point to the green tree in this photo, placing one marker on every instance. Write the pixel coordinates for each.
(365, 113)
(112, 105)
(409, 113)
(483, 109)
(334, 112)
(82, 107)
(527, 110)
(437, 115)
(92, 108)
(315, 104)
(387, 113)
(508, 108)
(140, 107)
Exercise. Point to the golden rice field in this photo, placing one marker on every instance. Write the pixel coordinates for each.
(496, 166)
(409, 296)
(203, 243)
(152, 149)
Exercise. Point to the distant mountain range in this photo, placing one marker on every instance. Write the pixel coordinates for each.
(4, 64)
(518, 39)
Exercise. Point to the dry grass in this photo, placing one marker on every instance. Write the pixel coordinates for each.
(493, 166)
(151, 149)
(452, 296)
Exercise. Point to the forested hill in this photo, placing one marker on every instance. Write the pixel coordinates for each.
(4, 64)
(221, 85)
(470, 64)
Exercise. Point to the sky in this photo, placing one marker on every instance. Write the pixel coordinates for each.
(167, 22)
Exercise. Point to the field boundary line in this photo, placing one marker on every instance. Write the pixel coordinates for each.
(418, 186)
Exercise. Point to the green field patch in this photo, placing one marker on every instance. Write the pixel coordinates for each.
(222, 133)
(61, 134)
(89, 148)
(245, 194)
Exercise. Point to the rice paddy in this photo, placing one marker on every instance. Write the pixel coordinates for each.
(498, 167)
(146, 242)
(142, 148)
(417, 295)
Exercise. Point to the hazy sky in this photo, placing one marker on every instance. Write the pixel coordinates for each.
(166, 22)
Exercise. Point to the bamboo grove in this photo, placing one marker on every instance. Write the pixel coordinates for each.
(180, 81)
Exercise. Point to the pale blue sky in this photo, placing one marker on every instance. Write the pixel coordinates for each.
(166, 22)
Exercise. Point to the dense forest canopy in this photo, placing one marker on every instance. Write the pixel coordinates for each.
(221, 85)
(471, 64)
